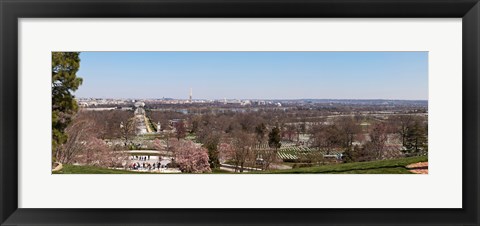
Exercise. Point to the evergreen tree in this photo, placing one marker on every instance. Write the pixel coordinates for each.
(211, 143)
(64, 81)
(416, 138)
(274, 138)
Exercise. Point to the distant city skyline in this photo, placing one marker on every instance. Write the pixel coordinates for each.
(254, 75)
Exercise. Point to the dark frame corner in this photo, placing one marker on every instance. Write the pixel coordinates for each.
(12, 10)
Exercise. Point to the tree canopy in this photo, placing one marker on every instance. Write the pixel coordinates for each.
(65, 66)
(274, 138)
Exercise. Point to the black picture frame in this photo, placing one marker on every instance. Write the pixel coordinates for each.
(11, 11)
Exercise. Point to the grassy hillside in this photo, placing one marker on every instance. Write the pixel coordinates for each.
(71, 169)
(396, 166)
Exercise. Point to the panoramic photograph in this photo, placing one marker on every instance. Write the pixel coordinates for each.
(239, 112)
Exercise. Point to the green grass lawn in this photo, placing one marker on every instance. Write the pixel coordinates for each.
(72, 169)
(220, 171)
(396, 166)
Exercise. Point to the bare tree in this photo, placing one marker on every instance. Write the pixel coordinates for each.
(290, 132)
(243, 149)
(80, 132)
(247, 121)
(269, 156)
(403, 122)
(328, 138)
(260, 131)
(348, 128)
(180, 130)
(378, 140)
(127, 130)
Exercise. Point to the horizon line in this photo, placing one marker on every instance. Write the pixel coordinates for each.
(158, 98)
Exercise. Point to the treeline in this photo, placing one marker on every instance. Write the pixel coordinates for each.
(253, 139)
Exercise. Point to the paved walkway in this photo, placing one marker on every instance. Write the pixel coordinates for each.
(231, 168)
(58, 167)
(143, 151)
(418, 168)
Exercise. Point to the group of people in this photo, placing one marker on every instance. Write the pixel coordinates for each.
(146, 166)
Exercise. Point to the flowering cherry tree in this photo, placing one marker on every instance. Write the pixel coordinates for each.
(191, 158)
(225, 152)
(85, 148)
(158, 145)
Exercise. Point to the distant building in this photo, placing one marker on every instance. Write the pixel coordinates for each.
(190, 95)
(139, 104)
(246, 102)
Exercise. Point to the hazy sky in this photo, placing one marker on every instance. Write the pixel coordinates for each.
(255, 75)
